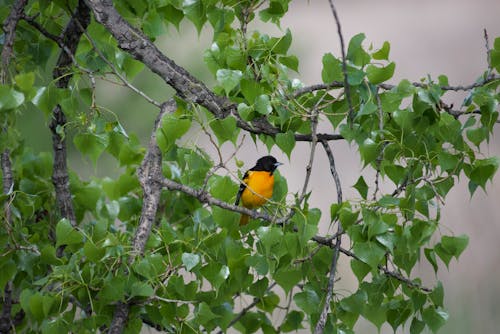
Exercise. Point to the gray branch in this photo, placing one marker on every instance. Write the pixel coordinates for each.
(70, 37)
(150, 177)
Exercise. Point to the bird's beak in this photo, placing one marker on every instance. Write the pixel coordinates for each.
(277, 164)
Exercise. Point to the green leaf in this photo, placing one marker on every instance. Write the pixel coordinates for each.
(288, 278)
(173, 127)
(10, 98)
(495, 55)
(334, 211)
(235, 59)
(225, 129)
(269, 302)
(141, 289)
(153, 24)
(448, 161)
(91, 144)
(67, 234)
(431, 257)
(47, 256)
(398, 312)
(435, 318)
(215, 273)
(282, 44)
(361, 187)
(250, 89)
(332, 69)
(274, 12)
(477, 135)
(354, 303)
(93, 252)
(404, 118)
(36, 306)
(369, 150)
(355, 52)
(286, 142)
(307, 300)
(369, 252)
(292, 62)
(245, 112)
(417, 326)
(455, 245)
(190, 260)
(258, 262)
(228, 79)
(269, 236)
(383, 52)
(204, 314)
(347, 217)
(8, 270)
(378, 75)
(293, 321)
(437, 295)
(360, 269)
(25, 81)
(223, 188)
(194, 10)
(483, 170)
(396, 173)
(263, 105)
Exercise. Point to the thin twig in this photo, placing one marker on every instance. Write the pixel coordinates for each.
(378, 162)
(119, 75)
(344, 64)
(390, 273)
(320, 326)
(488, 51)
(385, 86)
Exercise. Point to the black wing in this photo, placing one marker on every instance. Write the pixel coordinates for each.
(242, 188)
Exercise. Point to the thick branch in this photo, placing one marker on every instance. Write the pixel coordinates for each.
(187, 86)
(141, 48)
(150, 177)
(70, 38)
(9, 28)
(7, 321)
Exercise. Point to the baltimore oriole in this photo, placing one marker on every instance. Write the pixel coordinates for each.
(257, 186)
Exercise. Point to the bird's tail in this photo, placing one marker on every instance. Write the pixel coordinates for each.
(244, 219)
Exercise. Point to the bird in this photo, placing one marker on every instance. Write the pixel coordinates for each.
(257, 186)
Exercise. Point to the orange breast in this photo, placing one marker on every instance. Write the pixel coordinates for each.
(261, 183)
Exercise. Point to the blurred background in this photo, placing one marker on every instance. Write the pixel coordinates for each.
(427, 37)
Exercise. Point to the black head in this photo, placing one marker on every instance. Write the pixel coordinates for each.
(267, 163)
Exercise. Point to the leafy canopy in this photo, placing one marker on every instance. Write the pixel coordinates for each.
(199, 269)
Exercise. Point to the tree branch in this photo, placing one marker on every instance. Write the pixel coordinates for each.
(320, 326)
(70, 38)
(205, 198)
(9, 28)
(7, 321)
(141, 48)
(150, 177)
(347, 89)
(385, 86)
(187, 86)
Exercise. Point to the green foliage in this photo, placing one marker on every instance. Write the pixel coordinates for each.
(199, 267)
